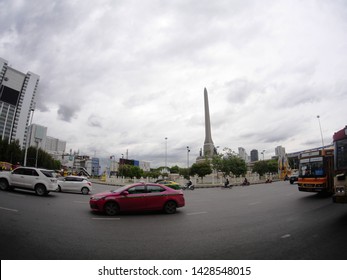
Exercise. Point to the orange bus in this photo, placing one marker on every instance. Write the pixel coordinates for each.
(340, 164)
(316, 171)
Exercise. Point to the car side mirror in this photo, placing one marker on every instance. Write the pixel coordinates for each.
(125, 193)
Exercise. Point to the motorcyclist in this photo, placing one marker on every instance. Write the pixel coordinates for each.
(226, 184)
(245, 182)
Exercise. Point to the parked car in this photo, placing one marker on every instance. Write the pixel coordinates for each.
(294, 178)
(171, 184)
(138, 197)
(42, 181)
(74, 184)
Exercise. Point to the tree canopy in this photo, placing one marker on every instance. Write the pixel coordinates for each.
(229, 164)
(201, 168)
(12, 153)
(268, 166)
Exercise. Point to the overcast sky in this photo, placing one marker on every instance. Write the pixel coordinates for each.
(123, 75)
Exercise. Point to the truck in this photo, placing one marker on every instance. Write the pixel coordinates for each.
(316, 171)
(340, 166)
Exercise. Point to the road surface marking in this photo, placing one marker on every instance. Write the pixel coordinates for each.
(285, 236)
(254, 203)
(196, 213)
(17, 195)
(107, 219)
(8, 209)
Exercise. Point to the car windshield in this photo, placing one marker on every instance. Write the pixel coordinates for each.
(312, 167)
(120, 189)
(48, 173)
(341, 154)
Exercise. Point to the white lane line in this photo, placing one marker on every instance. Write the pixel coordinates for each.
(9, 209)
(254, 203)
(196, 213)
(17, 195)
(285, 236)
(107, 219)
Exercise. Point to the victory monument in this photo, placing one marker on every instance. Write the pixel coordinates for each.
(209, 148)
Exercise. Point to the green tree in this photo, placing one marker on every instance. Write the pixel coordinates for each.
(201, 169)
(266, 166)
(153, 173)
(272, 166)
(175, 169)
(10, 152)
(228, 164)
(44, 159)
(130, 171)
(260, 167)
(185, 172)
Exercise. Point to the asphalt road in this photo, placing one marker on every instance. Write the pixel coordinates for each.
(257, 222)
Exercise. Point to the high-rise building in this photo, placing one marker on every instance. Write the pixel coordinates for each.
(243, 154)
(254, 155)
(280, 151)
(17, 101)
(55, 146)
(37, 136)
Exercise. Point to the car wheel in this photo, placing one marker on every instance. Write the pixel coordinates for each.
(59, 189)
(111, 208)
(3, 185)
(40, 190)
(85, 190)
(170, 207)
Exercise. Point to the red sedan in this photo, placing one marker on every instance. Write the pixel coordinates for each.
(138, 197)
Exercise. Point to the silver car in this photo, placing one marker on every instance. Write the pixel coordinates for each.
(72, 183)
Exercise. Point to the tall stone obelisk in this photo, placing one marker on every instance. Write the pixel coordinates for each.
(209, 149)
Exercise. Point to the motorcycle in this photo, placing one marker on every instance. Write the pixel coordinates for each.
(246, 183)
(227, 185)
(189, 187)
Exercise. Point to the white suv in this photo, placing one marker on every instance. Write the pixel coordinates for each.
(42, 181)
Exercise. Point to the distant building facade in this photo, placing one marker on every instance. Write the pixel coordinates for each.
(17, 101)
(37, 137)
(254, 155)
(243, 154)
(280, 151)
(55, 147)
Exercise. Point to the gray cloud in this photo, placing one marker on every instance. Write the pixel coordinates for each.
(67, 113)
(137, 70)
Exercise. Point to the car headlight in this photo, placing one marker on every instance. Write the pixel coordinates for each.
(340, 190)
(97, 198)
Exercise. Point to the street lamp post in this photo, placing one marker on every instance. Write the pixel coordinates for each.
(166, 152)
(188, 150)
(321, 134)
(112, 164)
(263, 152)
(37, 141)
(27, 140)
